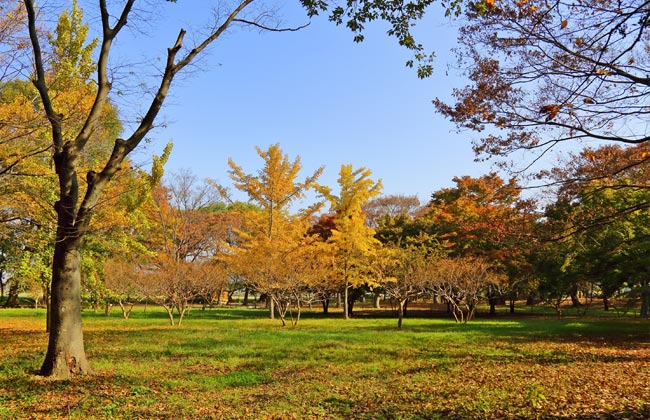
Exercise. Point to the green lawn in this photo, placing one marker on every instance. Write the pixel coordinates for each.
(236, 363)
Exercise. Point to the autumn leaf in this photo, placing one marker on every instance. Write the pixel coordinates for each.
(490, 3)
(564, 24)
(551, 110)
(579, 42)
(589, 101)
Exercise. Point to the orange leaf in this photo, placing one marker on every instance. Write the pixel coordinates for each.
(547, 108)
(552, 114)
(564, 24)
(589, 101)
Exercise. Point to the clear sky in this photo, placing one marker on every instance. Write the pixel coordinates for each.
(319, 95)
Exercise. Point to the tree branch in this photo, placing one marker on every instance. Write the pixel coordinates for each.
(269, 28)
(39, 82)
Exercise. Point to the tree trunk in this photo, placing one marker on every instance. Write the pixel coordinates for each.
(512, 304)
(346, 303)
(326, 305)
(2, 284)
(645, 300)
(245, 302)
(400, 313)
(48, 307)
(575, 301)
(606, 302)
(12, 299)
(377, 300)
(272, 308)
(65, 351)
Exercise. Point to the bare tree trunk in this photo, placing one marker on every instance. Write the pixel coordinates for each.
(65, 351)
(377, 300)
(346, 304)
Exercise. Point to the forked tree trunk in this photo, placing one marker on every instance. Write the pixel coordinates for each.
(65, 351)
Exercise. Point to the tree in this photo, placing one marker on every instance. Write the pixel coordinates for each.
(272, 242)
(75, 205)
(122, 281)
(462, 283)
(548, 73)
(352, 241)
(486, 217)
(392, 206)
(406, 271)
(324, 287)
(599, 221)
(27, 184)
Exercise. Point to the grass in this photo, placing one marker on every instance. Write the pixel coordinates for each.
(235, 363)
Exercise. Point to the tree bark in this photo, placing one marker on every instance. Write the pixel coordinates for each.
(65, 351)
(346, 303)
(48, 307)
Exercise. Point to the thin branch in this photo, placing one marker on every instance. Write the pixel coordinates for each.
(269, 28)
(6, 169)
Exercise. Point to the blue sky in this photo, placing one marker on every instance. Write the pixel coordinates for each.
(316, 93)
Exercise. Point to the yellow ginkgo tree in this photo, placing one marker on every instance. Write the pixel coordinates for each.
(352, 242)
(270, 251)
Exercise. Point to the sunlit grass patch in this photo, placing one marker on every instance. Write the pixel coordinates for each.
(220, 365)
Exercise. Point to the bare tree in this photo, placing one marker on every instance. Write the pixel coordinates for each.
(462, 283)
